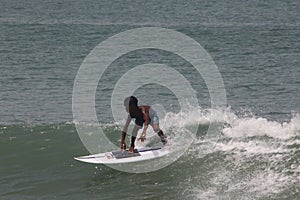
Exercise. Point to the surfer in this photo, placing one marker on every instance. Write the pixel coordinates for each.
(143, 115)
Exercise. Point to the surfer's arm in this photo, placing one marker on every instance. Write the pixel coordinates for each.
(146, 123)
(143, 136)
(127, 124)
(145, 130)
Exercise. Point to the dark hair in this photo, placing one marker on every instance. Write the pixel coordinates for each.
(132, 104)
(131, 101)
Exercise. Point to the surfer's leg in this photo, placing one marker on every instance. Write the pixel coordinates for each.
(162, 136)
(155, 125)
(133, 137)
(160, 133)
(123, 145)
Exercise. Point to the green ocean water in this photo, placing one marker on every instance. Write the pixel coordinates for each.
(37, 163)
(255, 153)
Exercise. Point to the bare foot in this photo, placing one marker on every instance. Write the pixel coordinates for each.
(130, 150)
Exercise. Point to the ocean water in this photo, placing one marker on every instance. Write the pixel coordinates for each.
(256, 152)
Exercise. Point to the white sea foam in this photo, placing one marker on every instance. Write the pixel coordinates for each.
(247, 142)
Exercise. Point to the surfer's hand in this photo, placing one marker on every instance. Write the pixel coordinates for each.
(143, 137)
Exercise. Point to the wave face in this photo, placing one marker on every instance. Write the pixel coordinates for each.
(254, 158)
(246, 158)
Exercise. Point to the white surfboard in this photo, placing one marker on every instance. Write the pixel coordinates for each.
(117, 157)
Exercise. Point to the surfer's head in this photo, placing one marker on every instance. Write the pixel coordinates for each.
(130, 102)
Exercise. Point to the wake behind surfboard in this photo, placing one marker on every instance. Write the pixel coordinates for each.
(118, 157)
